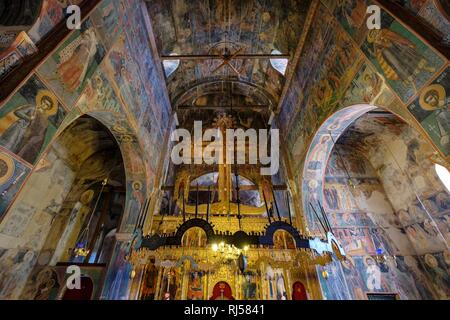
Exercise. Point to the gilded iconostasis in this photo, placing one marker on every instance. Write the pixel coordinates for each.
(364, 121)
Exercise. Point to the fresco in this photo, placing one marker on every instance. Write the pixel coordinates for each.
(126, 76)
(420, 201)
(316, 91)
(436, 18)
(15, 264)
(372, 207)
(118, 277)
(73, 81)
(249, 29)
(362, 219)
(28, 219)
(19, 50)
(74, 62)
(332, 282)
(98, 95)
(52, 12)
(367, 87)
(436, 265)
(318, 153)
(12, 174)
(108, 21)
(432, 110)
(405, 61)
(29, 120)
(435, 14)
(352, 16)
(50, 282)
(136, 197)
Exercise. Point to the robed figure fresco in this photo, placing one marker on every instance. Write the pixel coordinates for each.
(26, 135)
(396, 55)
(72, 72)
(195, 289)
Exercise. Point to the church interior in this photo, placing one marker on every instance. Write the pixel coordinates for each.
(359, 208)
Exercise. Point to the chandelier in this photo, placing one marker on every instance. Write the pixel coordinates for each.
(227, 251)
(82, 245)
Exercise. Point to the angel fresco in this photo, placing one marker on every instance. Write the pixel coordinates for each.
(397, 56)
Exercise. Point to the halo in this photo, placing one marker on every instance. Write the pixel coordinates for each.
(447, 257)
(137, 185)
(365, 260)
(441, 95)
(47, 94)
(6, 168)
(428, 258)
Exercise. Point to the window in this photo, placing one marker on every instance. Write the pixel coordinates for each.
(170, 65)
(444, 175)
(279, 64)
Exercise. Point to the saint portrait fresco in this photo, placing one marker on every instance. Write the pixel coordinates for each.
(432, 110)
(29, 120)
(404, 61)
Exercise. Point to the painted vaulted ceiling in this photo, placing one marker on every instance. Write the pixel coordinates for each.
(214, 27)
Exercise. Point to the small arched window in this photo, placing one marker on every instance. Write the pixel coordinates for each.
(444, 175)
(279, 64)
(171, 65)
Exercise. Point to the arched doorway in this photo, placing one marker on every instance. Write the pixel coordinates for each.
(72, 204)
(375, 179)
(299, 291)
(222, 291)
(84, 293)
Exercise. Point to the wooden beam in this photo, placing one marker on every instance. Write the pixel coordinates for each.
(215, 188)
(238, 107)
(417, 25)
(220, 57)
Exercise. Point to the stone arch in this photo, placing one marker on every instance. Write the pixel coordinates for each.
(133, 161)
(319, 152)
(48, 215)
(192, 91)
(351, 170)
(191, 223)
(322, 144)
